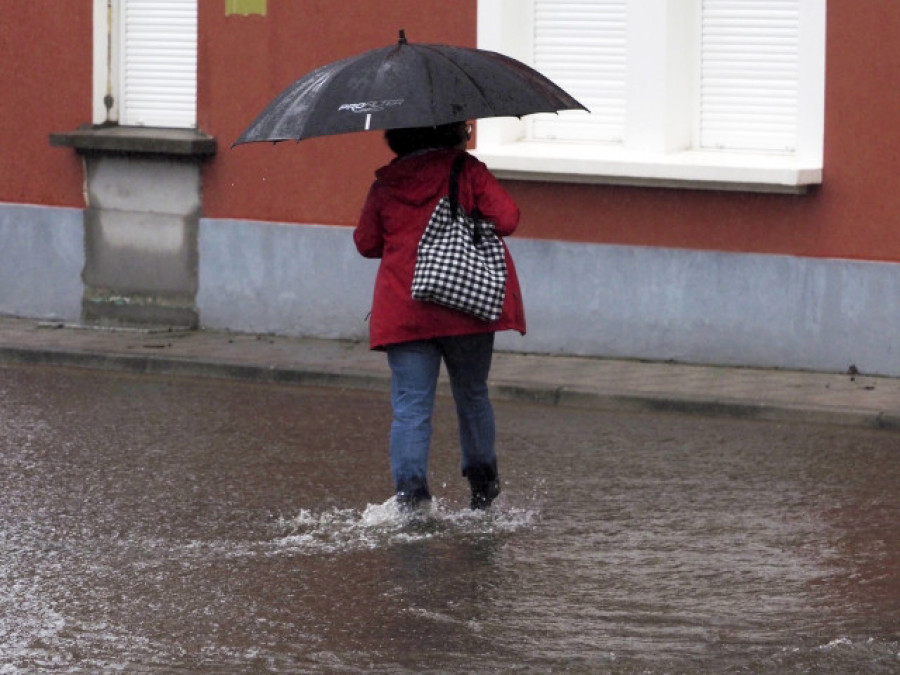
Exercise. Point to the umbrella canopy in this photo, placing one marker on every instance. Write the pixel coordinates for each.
(406, 85)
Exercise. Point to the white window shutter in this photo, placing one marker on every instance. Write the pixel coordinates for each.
(159, 63)
(749, 74)
(580, 45)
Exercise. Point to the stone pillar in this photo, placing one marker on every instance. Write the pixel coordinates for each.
(143, 193)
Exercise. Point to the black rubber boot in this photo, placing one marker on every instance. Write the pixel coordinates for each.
(485, 485)
(415, 499)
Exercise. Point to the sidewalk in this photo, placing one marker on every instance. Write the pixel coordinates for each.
(591, 383)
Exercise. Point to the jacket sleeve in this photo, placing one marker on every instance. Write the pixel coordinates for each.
(491, 199)
(369, 235)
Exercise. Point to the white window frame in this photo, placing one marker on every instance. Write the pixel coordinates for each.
(108, 84)
(659, 146)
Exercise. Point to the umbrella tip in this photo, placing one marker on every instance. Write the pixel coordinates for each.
(402, 40)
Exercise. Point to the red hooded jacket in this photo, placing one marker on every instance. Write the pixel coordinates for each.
(392, 221)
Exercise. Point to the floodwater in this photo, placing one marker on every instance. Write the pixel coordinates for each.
(152, 525)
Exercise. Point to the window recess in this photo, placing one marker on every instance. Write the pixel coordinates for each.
(720, 94)
(145, 62)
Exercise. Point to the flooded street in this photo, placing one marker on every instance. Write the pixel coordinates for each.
(158, 525)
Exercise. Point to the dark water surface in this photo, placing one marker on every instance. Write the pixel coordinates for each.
(201, 526)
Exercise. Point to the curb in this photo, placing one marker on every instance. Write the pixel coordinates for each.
(684, 405)
(191, 367)
(508, 391)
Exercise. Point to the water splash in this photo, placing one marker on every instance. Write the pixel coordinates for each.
(384, 525)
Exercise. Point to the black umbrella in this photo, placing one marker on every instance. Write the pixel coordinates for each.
(406, 85)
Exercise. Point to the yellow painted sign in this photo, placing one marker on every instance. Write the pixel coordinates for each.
(245, 7)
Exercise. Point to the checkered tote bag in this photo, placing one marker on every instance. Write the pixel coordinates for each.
(460, 262)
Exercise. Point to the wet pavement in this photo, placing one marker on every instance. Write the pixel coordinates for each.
(203, 525)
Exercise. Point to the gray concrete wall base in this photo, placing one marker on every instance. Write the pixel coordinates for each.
(285, 279)
(103, 307)
(593, 300)
(708, 307)
(141, 240)
(585, 299)
(41, 258)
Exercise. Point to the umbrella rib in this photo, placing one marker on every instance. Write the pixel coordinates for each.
(460, 69)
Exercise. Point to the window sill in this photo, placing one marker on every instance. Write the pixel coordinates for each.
(106, 139)
(613, 165)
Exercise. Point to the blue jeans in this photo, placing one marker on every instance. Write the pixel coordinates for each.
(414, 373)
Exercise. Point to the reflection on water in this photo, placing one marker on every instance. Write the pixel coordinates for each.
(168, 525)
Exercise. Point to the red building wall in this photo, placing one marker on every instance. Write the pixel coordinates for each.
(46, 82)
(45, 86)
(854, 214)
(245, 61)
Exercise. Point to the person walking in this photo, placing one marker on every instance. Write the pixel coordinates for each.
(418, 336)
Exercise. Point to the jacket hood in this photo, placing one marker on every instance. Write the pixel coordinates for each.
(417, 179)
